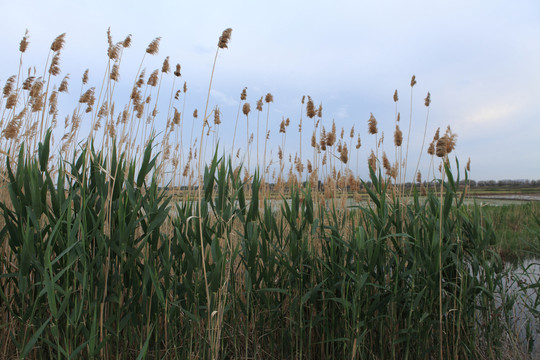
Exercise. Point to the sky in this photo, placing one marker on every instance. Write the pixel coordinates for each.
(480, 61)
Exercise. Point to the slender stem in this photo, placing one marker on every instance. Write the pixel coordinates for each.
(440, 263)
(199, 191)
(421, 148)
(408, 138)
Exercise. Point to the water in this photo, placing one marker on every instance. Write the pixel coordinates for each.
(525, 316)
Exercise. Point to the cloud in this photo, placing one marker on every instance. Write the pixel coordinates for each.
(493, 114)
(223, 99)
(341, 113)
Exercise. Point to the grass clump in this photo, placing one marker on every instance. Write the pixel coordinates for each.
(516, 226)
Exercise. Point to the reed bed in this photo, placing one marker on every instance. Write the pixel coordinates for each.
(107, 255)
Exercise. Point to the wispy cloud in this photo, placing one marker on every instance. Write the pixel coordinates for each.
(223, 99)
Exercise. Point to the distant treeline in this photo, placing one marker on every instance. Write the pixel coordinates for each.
(512, 183)
(471, 183)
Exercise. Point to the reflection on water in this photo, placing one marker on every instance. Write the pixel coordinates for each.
(523, 282)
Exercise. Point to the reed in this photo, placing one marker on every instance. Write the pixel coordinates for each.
(106, 255)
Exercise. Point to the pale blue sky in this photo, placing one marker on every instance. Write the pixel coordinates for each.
(479, 59)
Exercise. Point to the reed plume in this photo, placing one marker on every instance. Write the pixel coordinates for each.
(372, 125)
(225, 38)
(24, 42)
(153, 47)
(58, 43)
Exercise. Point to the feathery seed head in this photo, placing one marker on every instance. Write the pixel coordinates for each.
(195, 113)
(419, 177)
(224, 38)
(113, 52)
(153, 79)
(319, 111)
(260, 104)
(431, 148)
(299, 167)
(109, 37)
(344, 154)
(64, 84)
(12, 129)
(398, 117)
(358, 142)
(372, 161)
(303, 99)
(8, 87)
(166, 68)
(330, 138)
(37, 103)
(269, 98)
(11, 101)
(103, 110)
(35, 91)
(176, 117)
(440, 148)
(351, 134)
(246, 109)
(243, 95)
(372, 122)
(436, 136)
(127, 41)
(27, 84)
(153, 47)
(135, 95)
(53, 102)
(54, 69)
(322, 139)
(413, 81)
(58, 43)
(217, 119)
(85, 77)
(386, 164)
(451, 142)
(24, 42)
(395, 96)
(398, 136)
(140, 81)
(427, 100)
(114, 76)
(178, 74)
(310, 109)
(125, 115)
(185, 87)
(282, 127)
(468, 167)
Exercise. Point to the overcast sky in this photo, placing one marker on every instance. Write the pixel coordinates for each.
(480, 60)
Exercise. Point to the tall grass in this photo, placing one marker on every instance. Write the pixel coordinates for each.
(104, 257)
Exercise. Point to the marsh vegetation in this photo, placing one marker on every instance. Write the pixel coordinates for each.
(122, 243)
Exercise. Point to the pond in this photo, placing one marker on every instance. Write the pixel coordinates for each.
(523, 282)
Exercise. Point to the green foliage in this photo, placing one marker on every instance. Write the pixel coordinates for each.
(101, 266)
